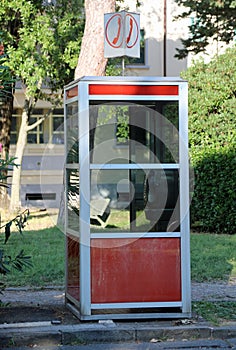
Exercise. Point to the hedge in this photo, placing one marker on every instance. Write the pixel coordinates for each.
(212, 142)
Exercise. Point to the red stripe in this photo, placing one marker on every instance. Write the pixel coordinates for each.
(107, 89)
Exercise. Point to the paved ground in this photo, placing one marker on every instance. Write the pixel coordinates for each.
(55, 295)
(39, 317)
(35, 305)
(169, 345)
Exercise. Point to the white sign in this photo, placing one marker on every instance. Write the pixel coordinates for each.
(122, 34)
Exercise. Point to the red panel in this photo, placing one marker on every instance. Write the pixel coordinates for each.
(73, 272)
(72, 92)
(106, 89)
(142, 270)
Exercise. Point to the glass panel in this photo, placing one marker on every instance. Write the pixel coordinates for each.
(13, 123)
(58, 130)
(73, 203)
(31, 138)
(41, 138)
(59, 111)
(13, 139)
(146, 132)
(32, 135)
(72, 133)
(58, 138)
(38, 111)
(14, 131)
(58, 123)
(36, 135)
(134, 200)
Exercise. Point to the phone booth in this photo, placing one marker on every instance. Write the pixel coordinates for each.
(127, 198)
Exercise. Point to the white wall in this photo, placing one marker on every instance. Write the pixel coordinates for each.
(152, 21)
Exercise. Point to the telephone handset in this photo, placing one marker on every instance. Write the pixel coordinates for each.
(130, 30)
(114, 41)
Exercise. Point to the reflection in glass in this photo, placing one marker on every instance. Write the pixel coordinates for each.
(73, 203)
(146, 132)
(134, 200)
(72, 133)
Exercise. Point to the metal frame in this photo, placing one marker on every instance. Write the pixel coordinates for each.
(84, 308)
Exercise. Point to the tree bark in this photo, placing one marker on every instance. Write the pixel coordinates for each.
(15, 202)
(5, 130)
(91, 59)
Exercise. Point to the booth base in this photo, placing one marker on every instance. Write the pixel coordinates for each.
(129, 314)
(126, 313)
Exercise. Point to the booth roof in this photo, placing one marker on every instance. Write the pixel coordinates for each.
(126, 79)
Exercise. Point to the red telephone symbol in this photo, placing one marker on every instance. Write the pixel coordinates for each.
(130, 30)
(115, 40)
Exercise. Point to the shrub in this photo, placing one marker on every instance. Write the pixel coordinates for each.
(20, 260)
(212, 139)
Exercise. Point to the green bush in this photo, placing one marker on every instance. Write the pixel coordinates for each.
(212, 139)
(19, 261)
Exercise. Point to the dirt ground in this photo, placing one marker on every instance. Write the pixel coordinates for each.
(50, 313)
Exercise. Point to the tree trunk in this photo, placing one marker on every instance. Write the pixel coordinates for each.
(5, 130)
(15, 202)
(91, 59)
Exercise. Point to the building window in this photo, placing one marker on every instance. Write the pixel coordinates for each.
(15, 125)
(51, 130)
(36, 135)
(57, 122)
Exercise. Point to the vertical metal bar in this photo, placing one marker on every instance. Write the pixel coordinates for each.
(65, 193)
(84, 178)
(123, 66)
(164, 37)
(184, 197)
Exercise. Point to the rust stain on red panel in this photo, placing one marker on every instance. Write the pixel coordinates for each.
(109, 89)
(144, 270)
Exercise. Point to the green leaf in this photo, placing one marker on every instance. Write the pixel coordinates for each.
(212, 140)
(7, 231)
(210, 20)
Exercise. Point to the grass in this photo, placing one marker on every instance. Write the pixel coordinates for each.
(213, 257)
(218, 312)
(46, 248)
